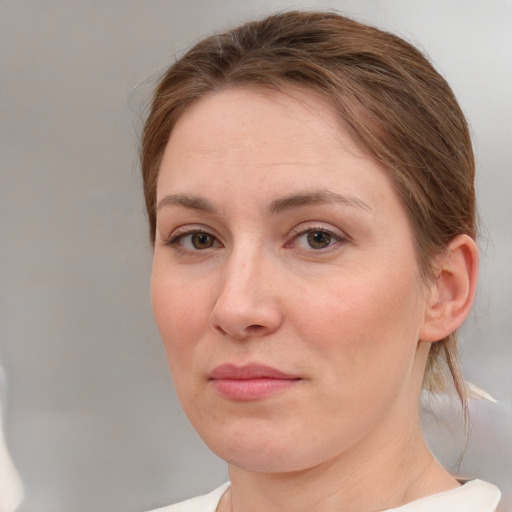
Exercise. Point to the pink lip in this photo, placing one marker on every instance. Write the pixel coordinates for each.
(250, 382)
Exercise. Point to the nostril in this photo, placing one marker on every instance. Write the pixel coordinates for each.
(255, 328)
(219, 329)
(250, 330)
(253, 316)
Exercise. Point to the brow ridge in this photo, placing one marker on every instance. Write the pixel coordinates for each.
(315, 197)
(187, 201)
(277, 206)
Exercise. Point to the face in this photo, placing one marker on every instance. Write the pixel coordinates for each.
(285, 284)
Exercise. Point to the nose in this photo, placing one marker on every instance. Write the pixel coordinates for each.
(247, 303)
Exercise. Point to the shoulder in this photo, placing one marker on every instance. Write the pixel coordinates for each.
(473, 496)
(205, 503)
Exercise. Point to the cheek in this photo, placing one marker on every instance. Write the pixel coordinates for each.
(180, 316)
(364, 341)
(176, 313)
(365, 326)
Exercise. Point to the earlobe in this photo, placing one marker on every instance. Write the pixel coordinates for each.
(453, 292)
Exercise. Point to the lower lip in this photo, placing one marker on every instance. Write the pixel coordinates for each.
(251, 389)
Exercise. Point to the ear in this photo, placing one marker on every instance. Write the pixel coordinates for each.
(453, 292)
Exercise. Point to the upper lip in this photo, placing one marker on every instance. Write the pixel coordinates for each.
(248, 371)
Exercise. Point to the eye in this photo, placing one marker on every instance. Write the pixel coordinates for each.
(202, 240)
(316, 239)
(194, 241)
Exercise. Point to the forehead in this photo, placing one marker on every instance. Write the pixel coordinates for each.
(261, 126)
(293, 103)
(267, 143)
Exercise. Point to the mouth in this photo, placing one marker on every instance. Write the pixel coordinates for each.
(250, 382)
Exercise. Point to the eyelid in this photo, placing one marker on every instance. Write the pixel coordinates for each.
(339, 237)
(297, 231)
(315, 226)
(188, 229)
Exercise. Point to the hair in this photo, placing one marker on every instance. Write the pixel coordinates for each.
(397, 107)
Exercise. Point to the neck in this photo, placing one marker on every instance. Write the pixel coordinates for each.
(365, 478)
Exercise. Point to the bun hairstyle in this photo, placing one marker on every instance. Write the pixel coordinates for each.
(396, 106)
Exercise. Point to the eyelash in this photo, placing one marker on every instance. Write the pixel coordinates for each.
(178, 236)
(336, 238)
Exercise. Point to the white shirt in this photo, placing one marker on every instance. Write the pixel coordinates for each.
(474, 496)
(11, 489)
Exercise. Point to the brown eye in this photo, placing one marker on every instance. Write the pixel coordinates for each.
(202, 240)
(319, 239)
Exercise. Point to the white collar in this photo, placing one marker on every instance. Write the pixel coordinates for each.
(473, 496)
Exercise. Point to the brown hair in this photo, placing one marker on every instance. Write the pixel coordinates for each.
(397, 107)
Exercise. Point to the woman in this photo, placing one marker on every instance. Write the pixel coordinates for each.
(309, 187)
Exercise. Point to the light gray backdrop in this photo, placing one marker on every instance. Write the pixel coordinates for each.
(91, 418)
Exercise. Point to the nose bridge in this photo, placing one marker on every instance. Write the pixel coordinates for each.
(246, 303)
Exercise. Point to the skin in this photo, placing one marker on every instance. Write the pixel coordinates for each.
(245, 179)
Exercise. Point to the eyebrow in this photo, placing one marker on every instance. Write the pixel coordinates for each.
(315, 197)
(277, 206)
(193, 202)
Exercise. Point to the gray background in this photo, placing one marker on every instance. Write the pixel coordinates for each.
(91, 418)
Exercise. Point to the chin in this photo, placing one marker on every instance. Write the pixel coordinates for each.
(263, 447)
(264, 461)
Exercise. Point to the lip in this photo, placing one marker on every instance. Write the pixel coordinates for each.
(250, 382)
